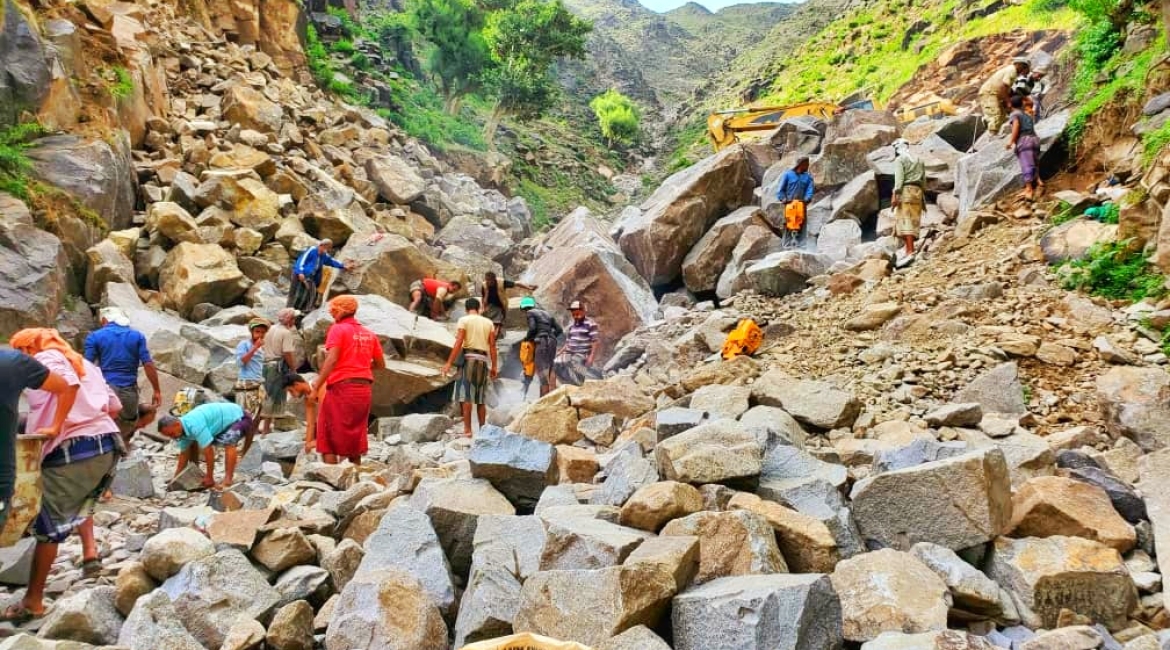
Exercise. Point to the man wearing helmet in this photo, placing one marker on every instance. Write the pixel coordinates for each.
(909, 199)
(543, 332)
(997, 90)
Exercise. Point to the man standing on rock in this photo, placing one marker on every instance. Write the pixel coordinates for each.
(306, 275)
(543, 332)
(909, 198)
(430, 297)
(795, 191)
(119, 350)
(475, 338)
(249, 388)
(574, 362)
(347, 374)
(997, 90)
(281, 347)
(202, 429)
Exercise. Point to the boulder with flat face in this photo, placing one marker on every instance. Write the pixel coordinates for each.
(756, 243)
(455, 506)
(709, 256)
(780, 274)
(886, 591)
(405, 540)
(1051, 505)
(33, 278)
(1073, 239)
(715, 452)
(385, 609)
(675, 217)
(387, 266)
(97, 173)
(212, 592)
(200, 273)
(249, 108)
(1133, 401)
(396, 180)
(518, 466)
(731, 544)
(992, 171)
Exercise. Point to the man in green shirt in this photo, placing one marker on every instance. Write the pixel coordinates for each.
(909, 199)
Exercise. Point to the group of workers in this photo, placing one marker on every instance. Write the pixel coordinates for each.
(1012, 95)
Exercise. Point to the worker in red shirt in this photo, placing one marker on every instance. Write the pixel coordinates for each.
(431, 297)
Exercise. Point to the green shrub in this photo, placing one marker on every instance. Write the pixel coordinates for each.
(343, 46)
(1113, 270)
(361, 62)
(1095, 46)
(1112, 214)
(122, 85)
(14, 164)
(318, 58)
(617, 115)
(1129, 78)
(348, 26)
(1153, 143)
(1064, 213)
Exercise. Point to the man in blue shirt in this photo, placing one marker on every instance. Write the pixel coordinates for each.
(119, 350)
(249, 388)
(218, 424)
(306, 275)
(795, 191)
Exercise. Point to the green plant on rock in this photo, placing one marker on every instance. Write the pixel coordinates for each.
(1154, 142)
(1114, 270)
(1063, 213)
(318, 57)
(14, 163)
(343, 46)
(122, 85)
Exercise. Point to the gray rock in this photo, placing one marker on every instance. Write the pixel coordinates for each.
(598, 429)
(783, 462)
(837, 238)
(673, 421)
(721, 401)
(581, 543)
(455, 506)
(986, 175)
(385, 609)
(624, 474)
(955, 415)
(919, 450)
(514, 542)
(716, 452)
(518, 466)
(33, 263)
(423, 427)
(972, 591)
(903, 507)
(154, 623)
(1155, 486)
(1156, 104)
(98, 173)
(786, 272)
(405, 540)
(169, 551)
(767, 612)
(304, 582)
(635, 638)
(488, 605)
(86, 617)
(943, 640)
(886, 591)
(998, 390)
(342, 562)
(291, 628)
(16, 562)
(774, 426)
(814, 403)
(28, 72)
(1124, 498)
(210, 593)
(1133, 405)
(708, 257)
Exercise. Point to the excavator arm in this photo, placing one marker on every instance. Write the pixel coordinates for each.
(723, 127)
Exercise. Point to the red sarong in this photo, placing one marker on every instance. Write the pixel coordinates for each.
(343, 419)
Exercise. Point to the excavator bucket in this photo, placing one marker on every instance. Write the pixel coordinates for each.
(26, 495)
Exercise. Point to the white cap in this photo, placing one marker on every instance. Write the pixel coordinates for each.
(116, 316)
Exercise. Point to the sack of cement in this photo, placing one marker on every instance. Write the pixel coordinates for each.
(525, 641)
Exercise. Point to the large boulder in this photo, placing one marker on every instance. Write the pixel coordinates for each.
(773, 612)
(396, 180)
(28, 68)
(837, 237)
(730, 544)
(974, 593)
(889, 591)
(166, 553)
(1045, 576)
(415, 349)
(106, 264)
(385, 609)
(807, 543)
(212, 593)
(992, 172)
(997, 391)
(581, 262)
(674, 218)
(406, 540)
(709, 256)
(86, 617)
(200, 273)
(589, 607)
(247, 107)
(1133, 402)
(1073, 239)
(755, 243)
(154, 623)
(488, 605)
(848, 143)
(584, 543)
(518, 466)
(906, 506)
(477, 235)
(97, 173)
(387, 265)
(815, 403)
(1155, 486)
(856, 200)
(1046, 506)
(653, 506)
(625, 474)
(33, 279)
(785, 272)
(455, 506)
(715, 452)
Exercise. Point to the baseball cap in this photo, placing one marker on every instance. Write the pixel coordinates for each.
(576, 304)
(527, 303)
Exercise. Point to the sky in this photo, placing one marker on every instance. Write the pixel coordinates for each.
(667, 5)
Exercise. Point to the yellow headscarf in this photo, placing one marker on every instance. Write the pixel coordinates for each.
(38, 339)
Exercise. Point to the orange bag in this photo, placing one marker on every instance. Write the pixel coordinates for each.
(744, 339)
(528, 357)
(794, 215)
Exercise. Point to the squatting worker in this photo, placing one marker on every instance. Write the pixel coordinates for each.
(297, 387)
(77, 462)
(282, 345)
(202, 429)
(432, 297)
(574, 362)
(249, 388)
(543, 332)
(996, 91)
(909, 198)
(307, 272)
(119, 350)
(475, 340)
(347, 374)
(795, 191)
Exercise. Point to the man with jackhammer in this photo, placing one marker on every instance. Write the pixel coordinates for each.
(795, 192)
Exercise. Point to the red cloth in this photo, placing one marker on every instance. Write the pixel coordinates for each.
(432, 286)
(343, 420)
(358, 348)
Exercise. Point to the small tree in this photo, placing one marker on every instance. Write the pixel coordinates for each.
(617, 115)
(457, 54)
(525, 38)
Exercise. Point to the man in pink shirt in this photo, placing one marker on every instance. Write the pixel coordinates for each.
(78, 461)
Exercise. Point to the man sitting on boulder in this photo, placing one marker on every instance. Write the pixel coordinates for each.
(432, 297)
(997, 90)
(203, 428)
(306, 275)
(795, 191)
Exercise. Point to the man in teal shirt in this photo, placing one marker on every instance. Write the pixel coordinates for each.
(219, 424)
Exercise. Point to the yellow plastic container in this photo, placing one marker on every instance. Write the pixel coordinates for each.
(26, 495)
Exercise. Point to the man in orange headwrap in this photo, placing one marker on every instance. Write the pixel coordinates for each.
(78, 462)
(352, 353)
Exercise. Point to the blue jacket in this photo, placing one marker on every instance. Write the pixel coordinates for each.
(795, 187)
(204, 422)
(310, 262)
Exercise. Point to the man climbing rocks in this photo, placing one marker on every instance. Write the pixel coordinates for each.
(432, 297)
(119, 350)
(574, 363)
(543, 332)
(997, 90)
(795, 191)
(307, 272)
(202, 429)
(475, 338)
(909, 199)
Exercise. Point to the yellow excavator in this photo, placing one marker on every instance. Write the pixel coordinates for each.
(724, 127)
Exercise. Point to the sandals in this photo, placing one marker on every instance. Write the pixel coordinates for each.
(91, 568)
(17, 614)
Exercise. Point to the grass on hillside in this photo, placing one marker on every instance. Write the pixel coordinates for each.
(1114, 270)
(1127, 80)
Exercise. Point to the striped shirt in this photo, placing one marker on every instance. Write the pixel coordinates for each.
(581, 336)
